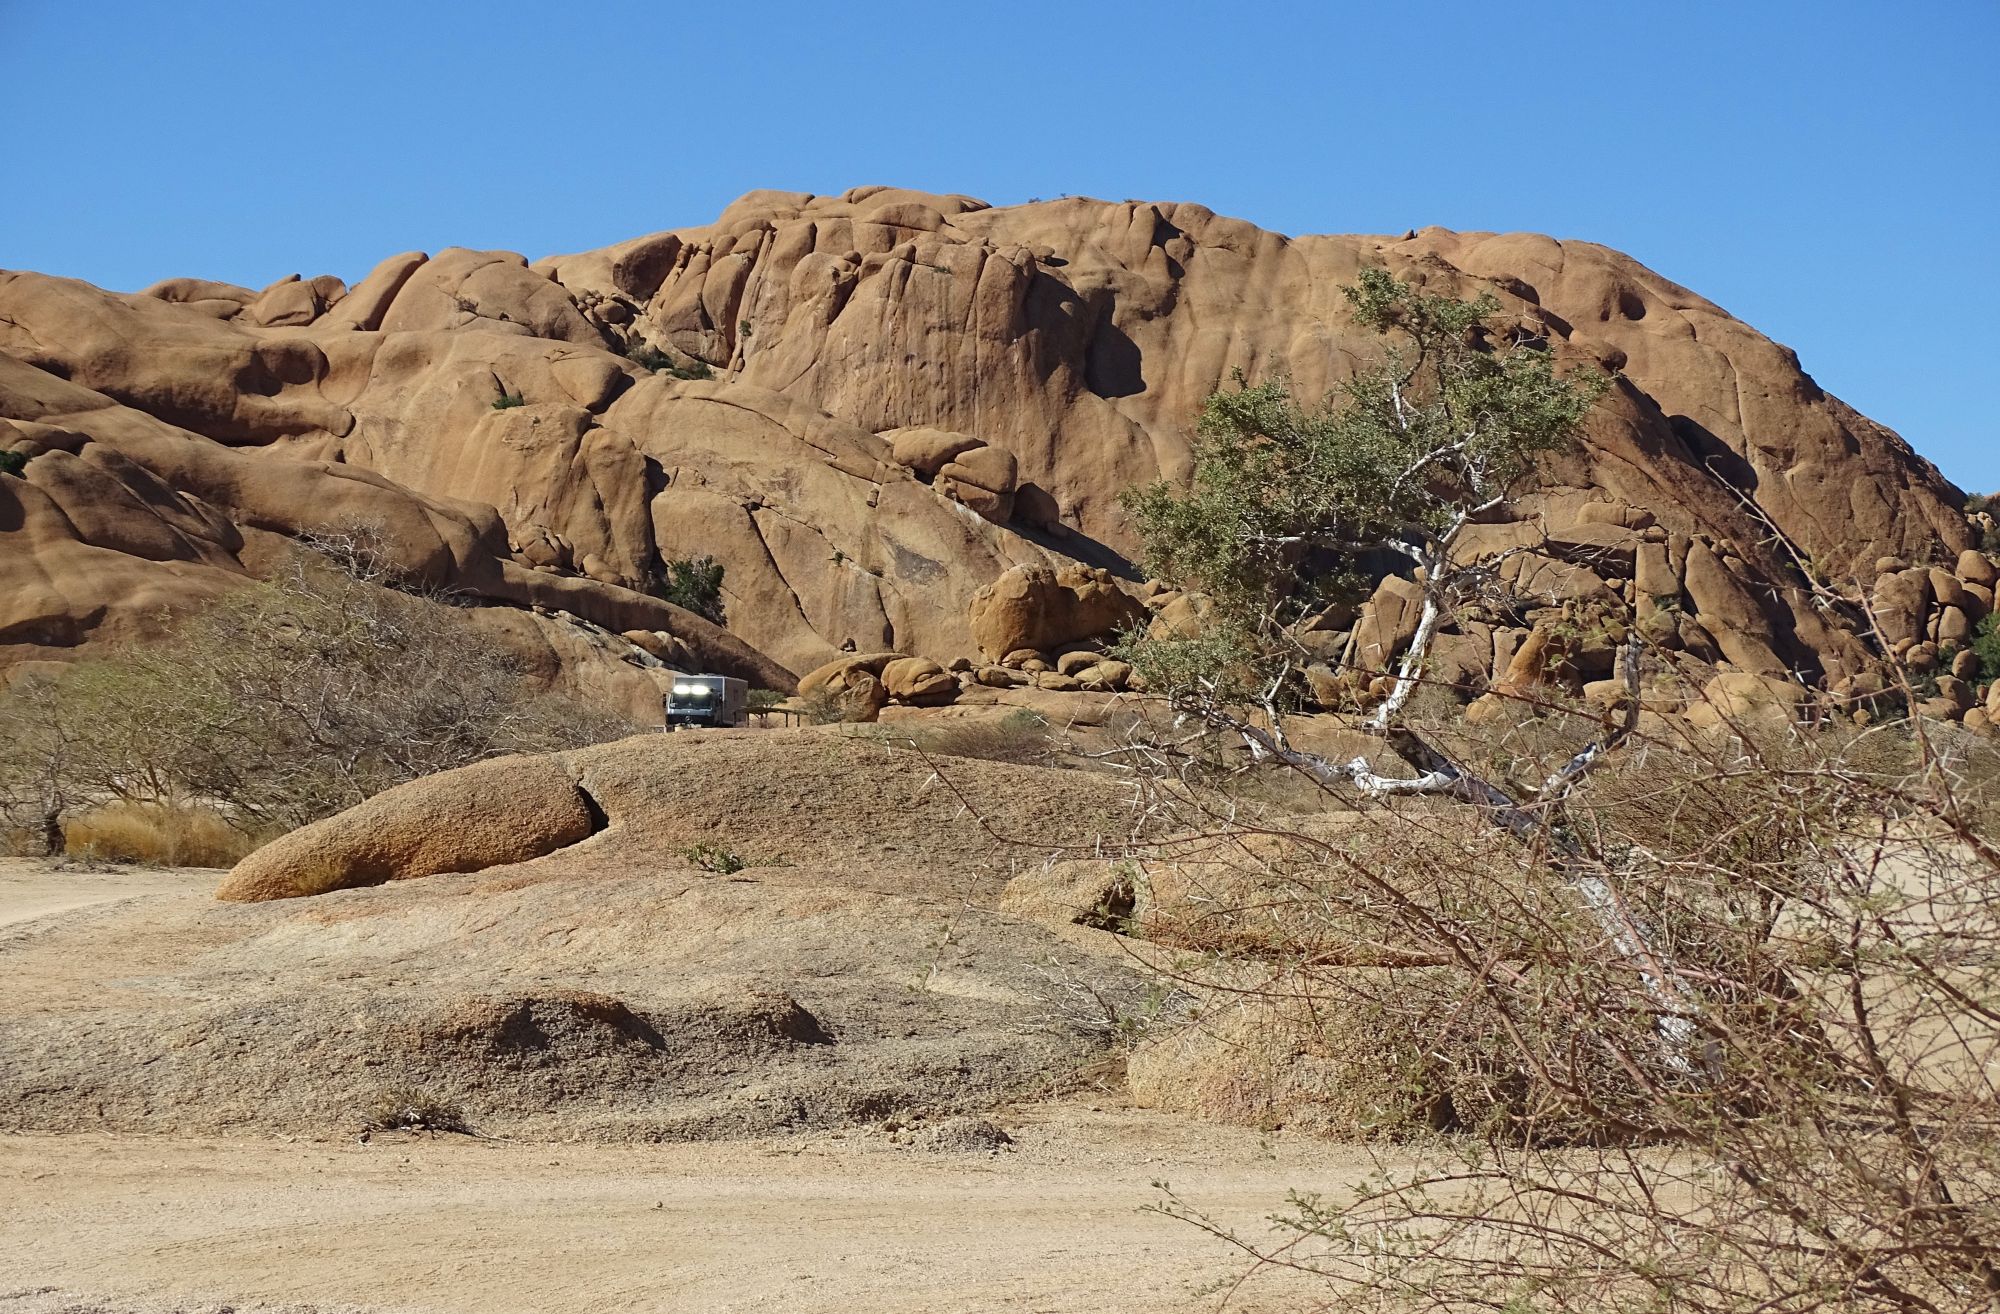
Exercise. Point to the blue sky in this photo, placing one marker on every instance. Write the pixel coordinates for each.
(1828, 171)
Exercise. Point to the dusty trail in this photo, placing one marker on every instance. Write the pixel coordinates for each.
(451, 1226)
(31, 890)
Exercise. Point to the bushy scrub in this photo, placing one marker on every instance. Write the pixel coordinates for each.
(288, 700)
(1719, 1039)
(693, 583)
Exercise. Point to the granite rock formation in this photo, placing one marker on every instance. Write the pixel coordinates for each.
(870, 407)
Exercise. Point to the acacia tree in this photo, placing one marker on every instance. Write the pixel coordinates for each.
(1284, 500)
(1443, 431)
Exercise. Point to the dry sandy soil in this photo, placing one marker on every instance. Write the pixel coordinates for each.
(456, 1226)
(836, 1217)
(32, 890)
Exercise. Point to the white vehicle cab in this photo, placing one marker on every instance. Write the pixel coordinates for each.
(704, 700)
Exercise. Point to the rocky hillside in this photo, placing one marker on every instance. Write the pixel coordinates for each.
(868, 407)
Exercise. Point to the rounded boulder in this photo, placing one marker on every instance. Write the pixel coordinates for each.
(511, 809)
(1048, 609)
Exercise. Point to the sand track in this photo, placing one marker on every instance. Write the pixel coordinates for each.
(452, 1226)
(31, 890)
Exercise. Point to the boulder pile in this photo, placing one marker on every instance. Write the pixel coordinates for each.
(1930, 619)
(1551, 627)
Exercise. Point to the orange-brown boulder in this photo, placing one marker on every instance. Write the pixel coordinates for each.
(982, 478)
(1042, 608)
(917, 680)
(927, 450)
(508, 810)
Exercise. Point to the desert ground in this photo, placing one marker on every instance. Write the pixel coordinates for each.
(854, 1217)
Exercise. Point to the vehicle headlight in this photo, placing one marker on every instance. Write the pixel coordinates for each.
(683, 690)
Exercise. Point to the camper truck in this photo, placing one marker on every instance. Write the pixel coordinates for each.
(704, 700)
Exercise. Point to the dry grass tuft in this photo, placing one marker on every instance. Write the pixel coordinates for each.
(156, 835)
(1020, 736)
(405, 1108)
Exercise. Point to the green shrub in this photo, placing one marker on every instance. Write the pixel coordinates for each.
(1989, 540)
(763, 700)
(694, 583)
(659, 362)
(13, 462)
(715, 858)
(1986, 643)
(507, 401)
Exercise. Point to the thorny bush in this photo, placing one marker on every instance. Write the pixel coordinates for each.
(288, 700)
(1777, 1088)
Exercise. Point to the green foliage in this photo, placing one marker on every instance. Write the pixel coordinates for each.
(1221, 661)
(714, 858)
(13, 462)
(763, 700)
(660, 362)
(694, 583)
(1986, 504)
(1986, 643)
(1283, 497)
(507, 401)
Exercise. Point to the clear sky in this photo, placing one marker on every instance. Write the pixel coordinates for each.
(1827, 170)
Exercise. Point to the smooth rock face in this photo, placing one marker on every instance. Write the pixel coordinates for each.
(910, 395)
(508, 810)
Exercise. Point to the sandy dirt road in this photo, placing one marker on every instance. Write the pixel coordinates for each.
(456, 1226)
(30, 889)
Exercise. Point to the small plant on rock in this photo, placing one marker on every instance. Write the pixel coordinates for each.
(694, 583)
(714, 858)
(13, 463)
(507, 401)
(659, 362)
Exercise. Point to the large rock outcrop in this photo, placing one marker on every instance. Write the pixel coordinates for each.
(867, 406)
